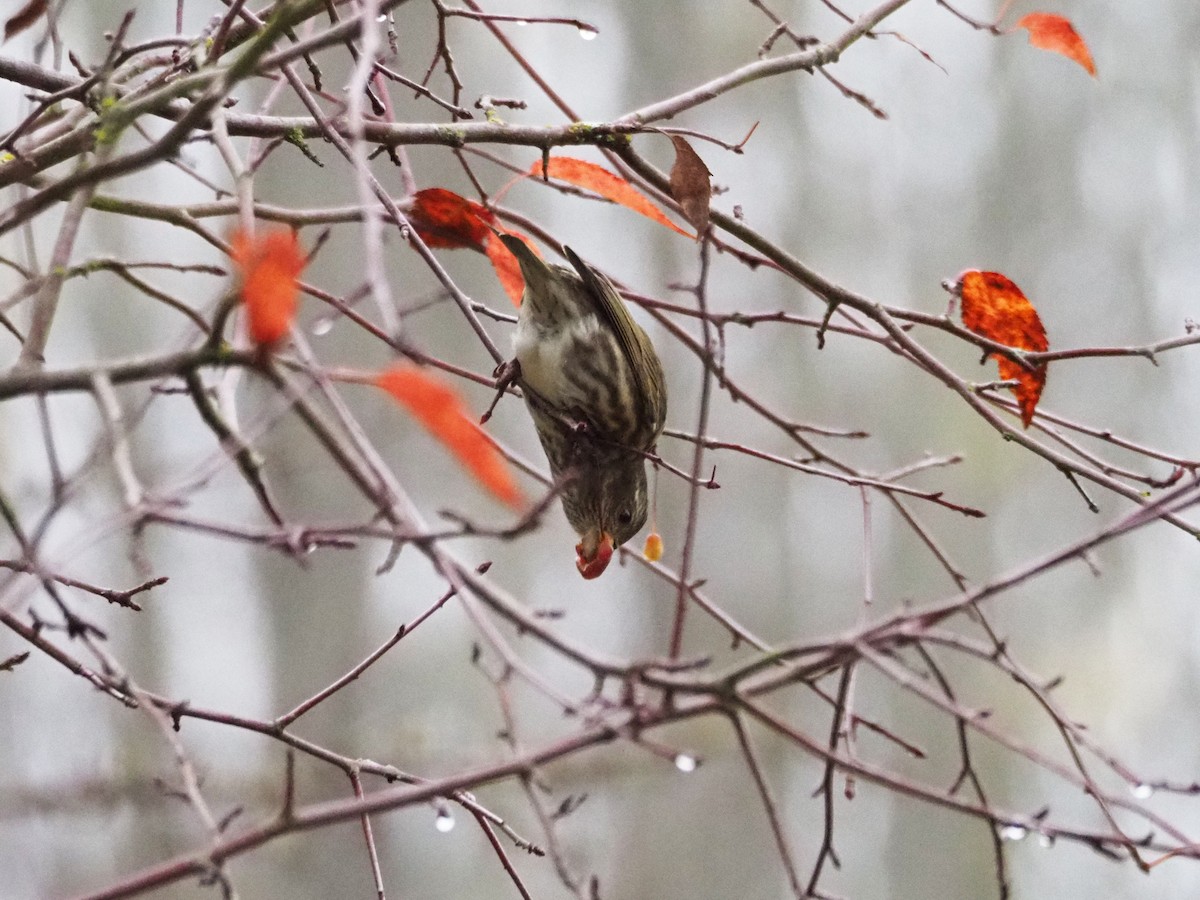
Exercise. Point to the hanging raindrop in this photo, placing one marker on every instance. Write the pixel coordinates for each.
(1013, 832)
(686, 763)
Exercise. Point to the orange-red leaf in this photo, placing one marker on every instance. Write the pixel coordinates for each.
(1058, 35)
(508, 270)
(994, 307)
(691, 183)
(268, 265)
(444, 219)
(606, 184)
(441, 410)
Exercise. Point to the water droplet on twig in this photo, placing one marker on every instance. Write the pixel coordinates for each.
(686, 763)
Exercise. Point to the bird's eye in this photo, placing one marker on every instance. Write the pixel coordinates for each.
(625, 516)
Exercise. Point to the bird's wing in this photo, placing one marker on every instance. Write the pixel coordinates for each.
(647, 370)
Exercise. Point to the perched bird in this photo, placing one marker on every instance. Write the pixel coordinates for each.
(595, 389)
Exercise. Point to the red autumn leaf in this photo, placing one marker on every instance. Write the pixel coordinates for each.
(441, 410)
(508, 270)
(606, 184)
(1058, 35)
(268, 265)
(444, 219)
(994, 307)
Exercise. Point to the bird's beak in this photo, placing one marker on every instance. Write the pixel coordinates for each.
(595, 550)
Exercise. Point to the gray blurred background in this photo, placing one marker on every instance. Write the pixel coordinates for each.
(1085, 192)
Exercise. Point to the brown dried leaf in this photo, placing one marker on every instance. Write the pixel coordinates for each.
(24, 18)
(691, 184)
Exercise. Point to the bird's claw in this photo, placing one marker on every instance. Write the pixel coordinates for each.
(579, 433)
(506, 374)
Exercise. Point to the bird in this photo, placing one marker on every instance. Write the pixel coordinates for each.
(595, 389)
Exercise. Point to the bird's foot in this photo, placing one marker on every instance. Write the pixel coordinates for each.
(506, 374)
(580, 434)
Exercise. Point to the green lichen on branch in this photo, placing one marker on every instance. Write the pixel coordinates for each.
(451, 136)
(113, 118)
(295, 137)
(614, 141)
(597, 135)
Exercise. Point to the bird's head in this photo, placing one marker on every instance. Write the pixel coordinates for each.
(606, 505)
